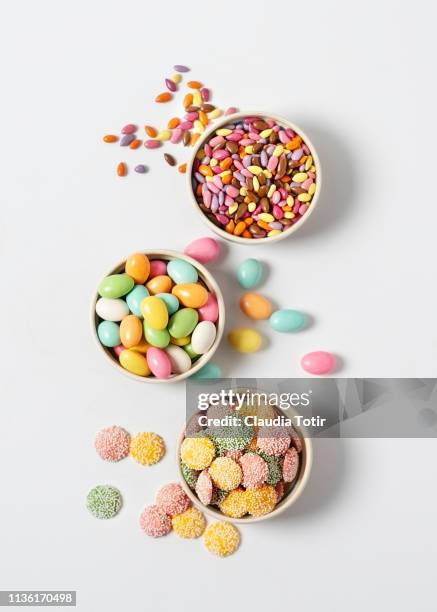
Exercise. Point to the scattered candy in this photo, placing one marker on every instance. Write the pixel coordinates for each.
(147, 448)
(150, 131)
(104, 501)
(163, 97)
(189, 524)
(249, 273)
(255, 306)
(110, 138)
(287, 320)
(171, 85)
(172, 500)
(130, 128)
(112, 443)
(245, 339)
(318, 362)
(121, 169)
(126, 140)
(203, 250)
(169, 159)
(154, 522)
(180, 68)
(221, 539)
(140, 168)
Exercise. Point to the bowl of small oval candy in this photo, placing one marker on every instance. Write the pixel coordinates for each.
(240, 472)
(158, 316)
(254, 178)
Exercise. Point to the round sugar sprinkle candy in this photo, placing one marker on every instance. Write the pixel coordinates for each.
(197, 453)
(147, 448)
(274, 471)
(172, 500)
(154, 522)
(190, 476)
(221, 539)
(112, 443)
(261, 501)
(204, 487)
(255, 470)
(273, 440)
(234, 504)
(189, 524)
(104, 501)
(225, 473)
(291, 465)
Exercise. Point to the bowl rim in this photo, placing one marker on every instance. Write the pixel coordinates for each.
(285, 503)
(281, 120)
(211, 283)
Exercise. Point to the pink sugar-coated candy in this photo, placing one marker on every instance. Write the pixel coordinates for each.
(207, 198)
(204, 250)
(273, 440)
(119, 349)
(306, 184)
(254, 136)
(223, 219)
(213, 187)
(216, 141)
(245, 142)
(247, 173)
(228, 201)
(312, 175)
(154, 522)
(204, 92)
(208, 150)
(204, 487)
(186, 125)
(277, 212)
(290, 465)
(283, 137)
(255, 470)
(231, 110)
(236, 137)
(171, 86)
(280, 490)
(191, 116)
(232, 191)
(303, 209)
(172, 500)
(318, 362)
(217, 182)
(112, 443)
(157, 268)
(220, 154)
(209, 311)
(276, 197)
(152, 144)
(176, 136)
(158, 362)
(130, 128)
(273, 162)
(270, 122)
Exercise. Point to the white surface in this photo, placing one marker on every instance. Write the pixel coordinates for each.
(358, 79)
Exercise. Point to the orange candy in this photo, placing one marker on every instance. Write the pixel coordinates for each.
(191, 295)
(121, 169)
(182, 168)
(205, 170)
(264, 225)
(110, 138)
(150, 131)
(163, 97)
(138, 267)
(255, 306)
(230, 226)
(246, 234)
(135, 144)
(194, 84)
(159, 284)
(188, 100)
(131, 331)
(249, 220)
(203, 118)
(173, 123)
(239, 228)
(226, 163)
(194, 138)
(226, 179)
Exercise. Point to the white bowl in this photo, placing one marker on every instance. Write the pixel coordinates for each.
(282, 122)
(206, 277)
(290, 497)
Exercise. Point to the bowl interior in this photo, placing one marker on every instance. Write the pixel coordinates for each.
(283, 123)
(292, 491)
(205, 277)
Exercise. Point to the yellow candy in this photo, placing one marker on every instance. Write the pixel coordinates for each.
(267, 217)
(225, 173)
(215, 113)
(278, 150)
(223, 132)
(300, 177)
(312, 189)
(180, 341)
(243, 191)
(304, 197)
(249, 150)
(197, 98)
(221, 539)
(309, 162)
(134, 362)
(163, 135)
(267, 174)
(191, 295)
(232, 209)
(289, 215)
(266, 133)
(271, 191)
(197, 453)
(245, 339)
(155, 312)
(261, 500)
(225, 473)
(234, 505)
(255, 182)
(147, 448)
(198, 127)
(213, 162)
(189, 524)
(176, 78)
(141, 347)
(131, 331)
(159, 284)
(251, 207)
(274, 233)
(255, 169)
(290, 200)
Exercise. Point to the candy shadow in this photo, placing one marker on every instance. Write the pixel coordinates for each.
(339, 181)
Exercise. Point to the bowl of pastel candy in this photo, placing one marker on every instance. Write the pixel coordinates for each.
(158, 316)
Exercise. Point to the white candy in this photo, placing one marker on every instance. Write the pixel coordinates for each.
(203, 337)
(111, 309)
(179, 359)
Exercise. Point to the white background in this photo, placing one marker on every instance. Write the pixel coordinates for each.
(359, 79)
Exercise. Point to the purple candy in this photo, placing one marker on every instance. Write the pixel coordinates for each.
(170, 85)
(126, 140)
(181, 68)
(141, 168)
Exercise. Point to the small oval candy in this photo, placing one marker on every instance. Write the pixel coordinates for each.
(203, 337)
(189, 350)
(181, 341)
(255, 306)
(209, 311)
(154, 312)
(134, 299)
(171, 301)
(179, 359)
(130, 128)
(108, 333)
(204, 250)
(245, 339)
(182, 322)
(131, 331)
(115, 285)
(157, 268)
(182, 271)
(249, 273)
(192, 295)
(209, 370)
(318, 362)
(158, 362)
(134, 362)
(287, 320)
(159, 284)
(111, 309)
(156, 337)
(141, 347)
(138, 267)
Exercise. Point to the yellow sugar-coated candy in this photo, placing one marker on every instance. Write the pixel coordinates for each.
(180, 341)
(261, 500)
(223, 132)
(245, 339)
(274, 233)
(197, 453)
(147, 448)
(217, 112)
(255, 170)
(163, 135)
(304, 197)
(134, 362)
(300, 177)
(141, 347)
(176, 78)
(278, 150)
(234, 504)
(221, 538)
(225, 473)
(266, 133)
(155, 312)
(312, 189)
(189, 524)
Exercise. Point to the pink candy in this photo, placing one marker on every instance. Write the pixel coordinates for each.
(157, 268)
(318, 362)
(204, 250)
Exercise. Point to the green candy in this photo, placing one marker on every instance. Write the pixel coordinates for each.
(218, 496)
(109, 333)
(287, 320)
(183, 322)
(249, 273)
(189, 349)
(190, 476)
(274, 474)
(230, 438)
(156, 337)
(115, 286)
(104, 501)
